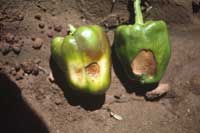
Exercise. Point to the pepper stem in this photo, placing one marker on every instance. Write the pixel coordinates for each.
(72, 29)
(138, 12)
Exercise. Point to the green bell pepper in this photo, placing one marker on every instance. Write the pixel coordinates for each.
(143, 49)
(84, 56)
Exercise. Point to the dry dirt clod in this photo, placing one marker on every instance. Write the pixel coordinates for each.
(37, 43)
(16, 49)
(17, 67)
(58, 28)
(20, 17)
(19, 75)
(12, 71)
(9, 37)
(27, 67)
(5, 49)
(53, 13)
(38, 17)
(35, 70)
(50, 34)
(41, 25)
(58, 101)
(33, 38)
(195, 85)
(37, 61)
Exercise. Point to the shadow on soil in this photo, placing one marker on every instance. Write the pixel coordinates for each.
(131, 86)
(132, 12)
(15, 114)
(75, 98)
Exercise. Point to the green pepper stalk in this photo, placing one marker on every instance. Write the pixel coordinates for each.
(143, 48)
(84, 57)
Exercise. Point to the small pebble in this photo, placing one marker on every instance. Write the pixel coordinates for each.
(117, 96)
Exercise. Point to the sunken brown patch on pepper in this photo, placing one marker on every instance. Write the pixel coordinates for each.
(144, 63)
(92, 69)
(94, 55)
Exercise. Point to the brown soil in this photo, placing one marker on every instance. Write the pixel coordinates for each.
(30, 103)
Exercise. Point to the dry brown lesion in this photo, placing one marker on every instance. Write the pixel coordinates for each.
(92, 69)
(79, 70)
(95, 55)
(144, 63)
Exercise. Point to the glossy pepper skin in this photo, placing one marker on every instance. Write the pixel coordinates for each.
(84, 56)
(152, 36)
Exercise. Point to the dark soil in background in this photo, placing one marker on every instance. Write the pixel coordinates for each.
(29, 102)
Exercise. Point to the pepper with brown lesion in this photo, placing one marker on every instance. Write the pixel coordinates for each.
(84, 57)
(143, 49)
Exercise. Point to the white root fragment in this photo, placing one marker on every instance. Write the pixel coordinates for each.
(149, 8)
(51, 78)
(116, 116)
(42, 69)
